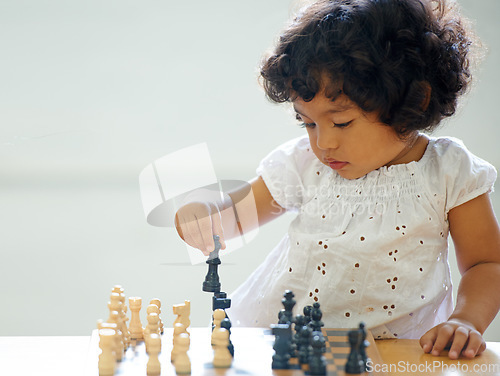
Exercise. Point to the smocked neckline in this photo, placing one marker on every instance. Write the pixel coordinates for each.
(393, 170)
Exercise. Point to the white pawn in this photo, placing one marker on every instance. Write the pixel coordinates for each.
(122, 324)
(117, 343)
(151, 328)
(116, 306)
(222, 356)
(135, 327)
(154, 365)
(178, 329)
(114, 303)
(153, 308)
(182, 363)
(107, 362)
(114, 318)
(157, 302)
(218, 316)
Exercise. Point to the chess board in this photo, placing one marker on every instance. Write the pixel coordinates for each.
(252, 355)
(337, 351)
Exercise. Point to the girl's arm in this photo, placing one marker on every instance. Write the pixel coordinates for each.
(235, 214)
(476, 236)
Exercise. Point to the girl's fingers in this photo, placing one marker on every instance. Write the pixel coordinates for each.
(205, 232)
(475, 346)
(444, 336)
(460, 338)
(217, 228)
(427, 340)
(193, 237)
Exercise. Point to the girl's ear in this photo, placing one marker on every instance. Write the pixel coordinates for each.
(428, 90)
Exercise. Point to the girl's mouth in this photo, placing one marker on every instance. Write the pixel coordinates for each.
(336, 165)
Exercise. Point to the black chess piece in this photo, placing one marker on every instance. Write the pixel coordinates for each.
(307, 314)
(317, 361)
(283, 337)
(355, 364)
(226, 324)
(288, 302)
(220, 301)
(299, 324)
(211, 283)
(363, 345)
(316, 324)
(305, 344)
(281, 315)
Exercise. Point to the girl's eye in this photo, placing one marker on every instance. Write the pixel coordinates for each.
(303, 124)
(307, 125)
(342, 125)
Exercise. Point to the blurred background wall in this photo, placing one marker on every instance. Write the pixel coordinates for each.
(92, 92)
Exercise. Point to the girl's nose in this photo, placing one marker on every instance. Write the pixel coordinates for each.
(327, 138)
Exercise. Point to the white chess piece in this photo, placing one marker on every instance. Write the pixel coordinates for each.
(151, 328)
(154, 365)
(122, 313)
(107, 361)
(135, 327)
(178, 329)
(152, 308)
(222, 356)
(118, 340)
(183, 311)
(182, 363)
(218, 316)
(124, 318)
(157, 302)
(118, 289)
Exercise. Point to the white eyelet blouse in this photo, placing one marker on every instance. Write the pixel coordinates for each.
(373, 249)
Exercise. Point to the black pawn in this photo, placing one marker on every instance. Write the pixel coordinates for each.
(283, 337)
(211, 283)
(317, 362)
(226, 324)
(288, 302)
(316, 324)
(305, 345)
(299, 324)
(307, 314)
(355, 364)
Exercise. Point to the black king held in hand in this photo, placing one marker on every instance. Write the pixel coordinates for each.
(211, 283)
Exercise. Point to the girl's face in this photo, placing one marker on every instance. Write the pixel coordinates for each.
(350, 141)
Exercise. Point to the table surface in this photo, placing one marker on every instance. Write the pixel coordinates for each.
(54, 356)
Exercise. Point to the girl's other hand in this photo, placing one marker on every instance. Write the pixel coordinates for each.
(460, 336)
(197, 223)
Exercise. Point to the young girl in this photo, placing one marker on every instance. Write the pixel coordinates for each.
(376, 198)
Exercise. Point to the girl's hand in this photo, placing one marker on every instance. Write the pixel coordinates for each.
(460, 336)
(196, 224)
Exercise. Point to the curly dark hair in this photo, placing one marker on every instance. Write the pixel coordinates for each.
(384, 55)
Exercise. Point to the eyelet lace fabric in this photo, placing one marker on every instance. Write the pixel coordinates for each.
(373, 249)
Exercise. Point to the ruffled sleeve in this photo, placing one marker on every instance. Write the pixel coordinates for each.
(467, 176)
(282, 170)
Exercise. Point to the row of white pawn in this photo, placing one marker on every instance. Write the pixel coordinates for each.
(181, 341)
(115, 337)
